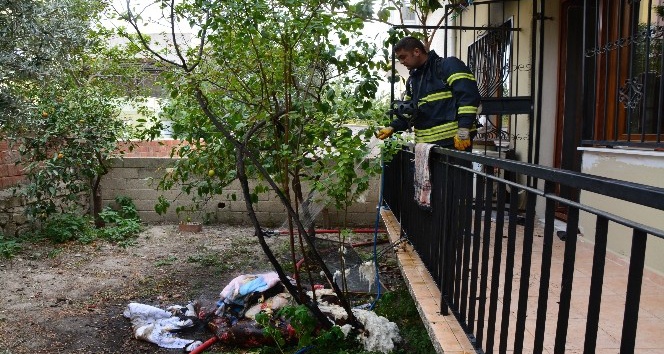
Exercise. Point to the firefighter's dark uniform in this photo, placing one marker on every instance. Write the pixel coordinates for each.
(446, 95)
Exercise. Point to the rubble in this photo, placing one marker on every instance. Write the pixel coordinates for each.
(233, 321)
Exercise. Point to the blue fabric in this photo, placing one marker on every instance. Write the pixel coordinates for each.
(257, 284)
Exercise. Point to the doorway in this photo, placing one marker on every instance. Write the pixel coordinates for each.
(569, 115)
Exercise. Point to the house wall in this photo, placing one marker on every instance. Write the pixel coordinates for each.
(549, 90)
(645, 167)
(522, 72)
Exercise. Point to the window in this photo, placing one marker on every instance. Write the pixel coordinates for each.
(489, 60)
(408, 13)
(627, 61)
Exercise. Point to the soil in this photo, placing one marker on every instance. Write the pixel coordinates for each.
(70, 297)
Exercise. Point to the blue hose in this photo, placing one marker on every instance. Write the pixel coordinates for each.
(304, 350)
(375, 239)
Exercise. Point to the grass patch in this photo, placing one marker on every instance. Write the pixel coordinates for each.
(166, 261)
(213, 261)
(398, 306)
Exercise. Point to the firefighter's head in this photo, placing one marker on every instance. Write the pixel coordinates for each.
(410, 52)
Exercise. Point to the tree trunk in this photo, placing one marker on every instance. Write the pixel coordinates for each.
(244, 182)
(97, 202)
(241, 153)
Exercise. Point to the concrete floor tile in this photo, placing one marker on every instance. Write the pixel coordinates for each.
(651, 315)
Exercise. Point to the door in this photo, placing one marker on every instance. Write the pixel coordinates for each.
(569, 120)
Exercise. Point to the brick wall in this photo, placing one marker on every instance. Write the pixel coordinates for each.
(157, 148)
(10, 173)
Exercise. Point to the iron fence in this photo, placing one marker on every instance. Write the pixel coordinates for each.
(477, 241)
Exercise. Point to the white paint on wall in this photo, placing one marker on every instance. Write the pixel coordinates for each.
(637, 166)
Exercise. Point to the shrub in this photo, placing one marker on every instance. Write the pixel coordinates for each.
(122, 225)
(65, 227)
(8, 247)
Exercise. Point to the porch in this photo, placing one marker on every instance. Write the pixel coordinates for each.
(448, 335)
(508, 281)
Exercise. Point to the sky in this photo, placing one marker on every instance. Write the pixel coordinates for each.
(154, 25)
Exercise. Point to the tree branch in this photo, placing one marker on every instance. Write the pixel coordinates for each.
(132, 21)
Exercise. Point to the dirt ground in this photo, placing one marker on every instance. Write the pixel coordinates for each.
(70, 298)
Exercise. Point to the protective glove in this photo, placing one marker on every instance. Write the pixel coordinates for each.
(462, 139)
(384, 133)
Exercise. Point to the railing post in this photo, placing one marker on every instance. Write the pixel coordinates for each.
(545, 270)
(495, 267)
(444, 274)
(596, 282)
(486, 240)
(524, 280)
(567, 280)
(634, 282)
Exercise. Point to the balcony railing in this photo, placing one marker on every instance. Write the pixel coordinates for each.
(478, 242)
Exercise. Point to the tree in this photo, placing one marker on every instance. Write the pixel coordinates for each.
(62, 92)
(423, 10)
(36, 38)
(263, 94)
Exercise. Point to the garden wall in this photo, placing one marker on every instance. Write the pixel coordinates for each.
(12, 218)
(138, 177)
(10, 173)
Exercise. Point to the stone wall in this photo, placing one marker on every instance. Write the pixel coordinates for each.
(12, 217)
(138, 178)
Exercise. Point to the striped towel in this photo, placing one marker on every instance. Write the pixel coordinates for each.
(422, 182)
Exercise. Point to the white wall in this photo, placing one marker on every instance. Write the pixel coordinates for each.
(638, 166)
(549, 90)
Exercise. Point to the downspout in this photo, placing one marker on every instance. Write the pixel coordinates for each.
(540, 79)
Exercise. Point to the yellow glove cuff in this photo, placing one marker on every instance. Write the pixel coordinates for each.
(460, 144)
(385, 133)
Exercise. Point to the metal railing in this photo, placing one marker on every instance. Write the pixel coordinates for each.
(475, 226)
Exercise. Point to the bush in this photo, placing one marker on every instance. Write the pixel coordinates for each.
(311, 338)
(60, 228)
(8, 247)
(122, 225)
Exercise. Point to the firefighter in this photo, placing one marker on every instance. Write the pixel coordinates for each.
(441, 100)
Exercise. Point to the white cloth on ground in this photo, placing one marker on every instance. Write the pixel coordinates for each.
(154, 325)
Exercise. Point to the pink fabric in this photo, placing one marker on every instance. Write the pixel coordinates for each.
(422, 181)
(232, 290)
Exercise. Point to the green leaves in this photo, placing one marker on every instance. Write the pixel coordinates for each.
(9, 247)
(290, 65)
(66, 143)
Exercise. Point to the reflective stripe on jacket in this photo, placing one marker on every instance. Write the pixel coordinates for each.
(441, 132)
